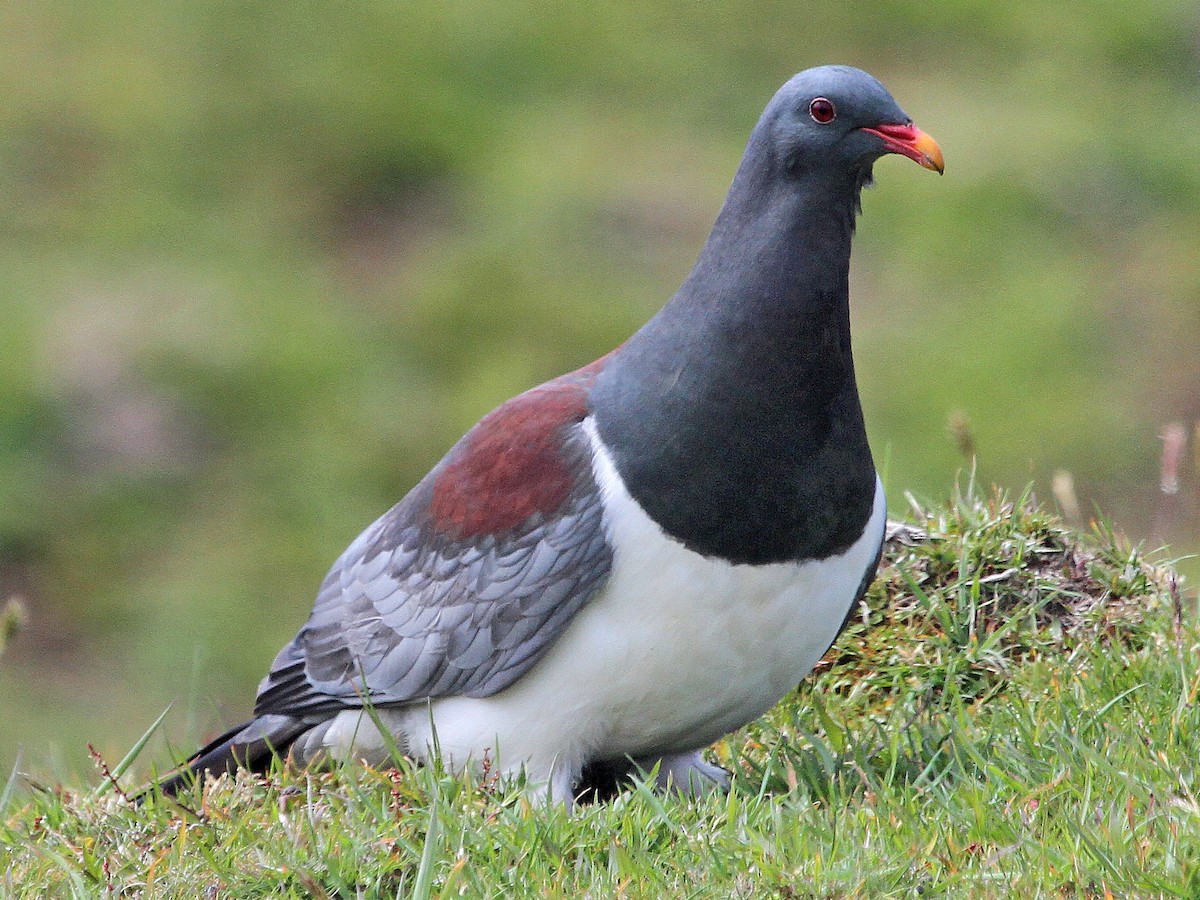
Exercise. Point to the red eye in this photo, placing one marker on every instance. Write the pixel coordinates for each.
(822, 111)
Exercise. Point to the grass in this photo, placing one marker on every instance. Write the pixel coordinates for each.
(1012, 714)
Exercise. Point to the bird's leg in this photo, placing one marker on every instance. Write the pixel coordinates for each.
(687, 773)
(561, 783)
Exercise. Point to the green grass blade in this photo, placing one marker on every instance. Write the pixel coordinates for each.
(123, 766)
(423, 889)
(10, 785)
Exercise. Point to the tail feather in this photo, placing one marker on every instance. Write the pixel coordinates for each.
(251, 745)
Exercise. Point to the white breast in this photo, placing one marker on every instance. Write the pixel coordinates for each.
(674, 652)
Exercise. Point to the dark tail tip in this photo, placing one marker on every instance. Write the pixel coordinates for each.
(253, 745)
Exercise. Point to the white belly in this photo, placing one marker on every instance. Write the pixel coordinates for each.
(674, 652)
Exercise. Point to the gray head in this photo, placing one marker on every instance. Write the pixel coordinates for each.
(840, 118)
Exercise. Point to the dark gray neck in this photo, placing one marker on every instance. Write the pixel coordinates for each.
(733, 416)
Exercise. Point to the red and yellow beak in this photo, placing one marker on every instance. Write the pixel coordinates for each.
(909, 140)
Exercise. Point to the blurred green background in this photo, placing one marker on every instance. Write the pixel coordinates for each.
(261, 264)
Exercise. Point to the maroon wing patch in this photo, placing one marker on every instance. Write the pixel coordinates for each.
(512, 464)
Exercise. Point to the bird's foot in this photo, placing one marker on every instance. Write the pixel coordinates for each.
(687, 774)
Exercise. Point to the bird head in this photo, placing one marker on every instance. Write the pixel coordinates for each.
(841, 117)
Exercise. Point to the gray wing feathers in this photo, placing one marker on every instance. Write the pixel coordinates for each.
(404, 616)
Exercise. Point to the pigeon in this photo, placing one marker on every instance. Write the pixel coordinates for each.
(613, 570)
